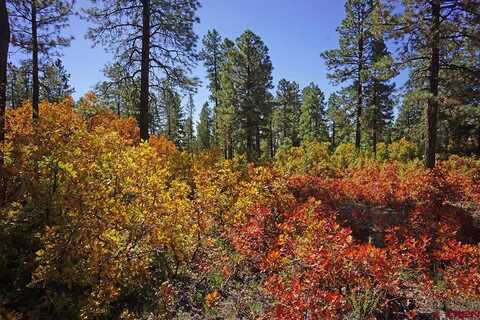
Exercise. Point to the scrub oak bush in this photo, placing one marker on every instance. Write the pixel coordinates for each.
(96, 224)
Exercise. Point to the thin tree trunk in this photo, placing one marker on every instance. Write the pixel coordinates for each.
(257, 142)
(432, 105)
(249, 144)
(375, 119)
(144, 72)
(13, 98)
(359, 95)
(27, 90)
(35, 82)
(478, 140)
(4, 42)
(333, 134)
(270, 136)
(216, 79)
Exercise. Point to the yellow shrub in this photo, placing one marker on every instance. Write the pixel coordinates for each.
(344, 156)
(312, 158)
(402, 150)
(103, 207)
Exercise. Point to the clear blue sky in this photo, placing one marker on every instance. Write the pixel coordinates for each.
(295, 31)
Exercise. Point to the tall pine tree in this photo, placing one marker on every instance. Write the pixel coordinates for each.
(36, 29)
(380, 91)
(348, 63)
(148, 37)
(286, 114)
(435, 34)
(213, 55)
(340, 118)
(244, 96)
(204, 128)
(55, 82)
(312, 122)
(189, 134)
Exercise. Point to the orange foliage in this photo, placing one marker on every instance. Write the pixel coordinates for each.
(97, 224)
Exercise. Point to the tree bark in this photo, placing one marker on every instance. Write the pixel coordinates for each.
(376, 109)
(270, 138)
(432, 105)
(374, 137)
(145, 72)
(35, 82)
(358, 128)
(333, 135)
(215, 75)
(4, 42)
(478, 140)
(257, 142)
(13, 99)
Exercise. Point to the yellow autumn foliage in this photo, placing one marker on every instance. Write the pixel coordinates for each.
(103, 205)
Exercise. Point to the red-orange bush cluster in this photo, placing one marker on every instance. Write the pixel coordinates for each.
(367, 242)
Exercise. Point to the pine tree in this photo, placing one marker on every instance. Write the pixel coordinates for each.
(213, 55)
(204, 128)
(54, 83)
(348, 63)
(172, 104)
(312, 122)
(36, 29)
(120, 92)
(189, 134)
(339, 117)
(380, 90)
(410, 122)
(19, 83)
(244, 97)
(225, 116)
(222, 114)
(149, 37)
(4, 44)
(286, 114)
(432, 31)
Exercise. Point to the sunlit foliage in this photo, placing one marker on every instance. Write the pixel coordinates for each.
(98, 225)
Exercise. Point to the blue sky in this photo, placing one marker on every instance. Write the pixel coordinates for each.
(295, 31)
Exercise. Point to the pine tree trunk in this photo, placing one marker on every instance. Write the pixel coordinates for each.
(230, 150)
(270, 136)
(144, 71)
(257, 142)
(432, 105)
(13, 99)
(216, 79)
(4, 42)
(26, 86)
(478, 140)
(359, 95)
(249, 144)
(374, 137)
(333, 135)
(375, 119)
(35, 82)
